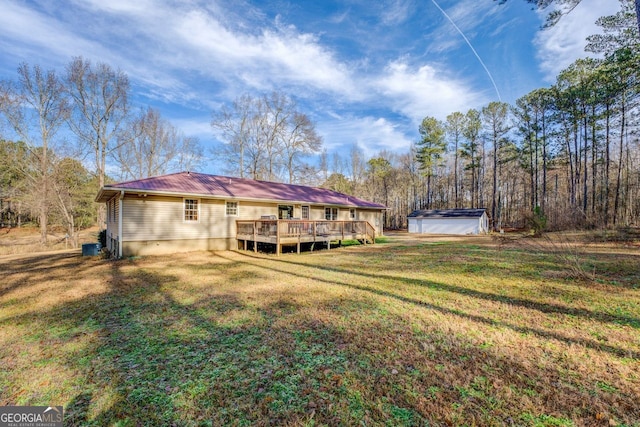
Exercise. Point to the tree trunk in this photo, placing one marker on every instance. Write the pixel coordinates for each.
(474, 183)
(543, 204)
(455, 173)
(585, 186)
(428, 191)
(594, 166)
(638, 13)
(578, 165)
(44, 189)
(532, 188)
(627, 192)
(536, 173)
(619, 177)
(494, 191)
(43, 214)
(571, 172)
(102, 164)
(607, 161)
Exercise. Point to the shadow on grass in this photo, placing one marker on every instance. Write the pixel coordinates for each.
(543, 307)
(76, 412)
(159, 361)
(46, 265)
(165, 363)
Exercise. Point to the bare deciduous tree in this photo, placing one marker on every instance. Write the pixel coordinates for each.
(151, 146)
(265, 137)
(35, 107)
(73, 195)
(100, 107)
(300, 138)
(234, 122)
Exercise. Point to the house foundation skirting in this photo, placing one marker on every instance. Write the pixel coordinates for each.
(162, 247)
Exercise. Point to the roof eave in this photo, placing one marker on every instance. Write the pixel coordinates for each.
(104, 191)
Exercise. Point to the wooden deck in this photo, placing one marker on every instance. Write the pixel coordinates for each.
(287, 232)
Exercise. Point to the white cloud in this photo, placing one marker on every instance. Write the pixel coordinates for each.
(371, 134)
(423, 91)
(199, 127)
(301, 58)
(201, 41)
(119, 6)
(30, 35)
(155, 44)
(468, 15)
(201, 53)
(559, 46)
(339, 18)
(396, 11)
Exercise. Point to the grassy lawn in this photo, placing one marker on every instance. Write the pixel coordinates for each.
(406, 332)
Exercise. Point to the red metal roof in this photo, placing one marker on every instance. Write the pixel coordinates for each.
(190, 183)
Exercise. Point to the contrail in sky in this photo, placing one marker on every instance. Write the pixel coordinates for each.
(471, 47)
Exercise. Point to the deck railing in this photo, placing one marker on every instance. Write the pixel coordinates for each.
(283, 231)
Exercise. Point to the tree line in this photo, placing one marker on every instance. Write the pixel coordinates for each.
(564, 156)
(68, 132)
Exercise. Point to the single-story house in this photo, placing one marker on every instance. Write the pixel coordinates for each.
(190, 211)
(449, 221)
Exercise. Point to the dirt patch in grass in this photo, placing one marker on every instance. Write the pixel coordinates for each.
(410, 332)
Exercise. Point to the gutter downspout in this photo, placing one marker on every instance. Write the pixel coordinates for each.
(120, 224)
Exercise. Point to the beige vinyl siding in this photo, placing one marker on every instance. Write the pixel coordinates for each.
(254, 210)
(373, 217)
(162, 218)
(343, 214)
(113, 209)
(316, 213)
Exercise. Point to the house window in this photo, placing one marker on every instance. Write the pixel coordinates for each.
(232, 209)
(331, 214)
(112, 211)
(352, 214)
(305, 212)
(191, 210)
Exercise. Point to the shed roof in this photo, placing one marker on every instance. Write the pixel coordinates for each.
(198, 184)
(447, 213)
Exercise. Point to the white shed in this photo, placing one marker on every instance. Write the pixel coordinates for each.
(449, 221)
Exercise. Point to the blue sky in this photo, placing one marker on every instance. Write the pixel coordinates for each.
(365, 71)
